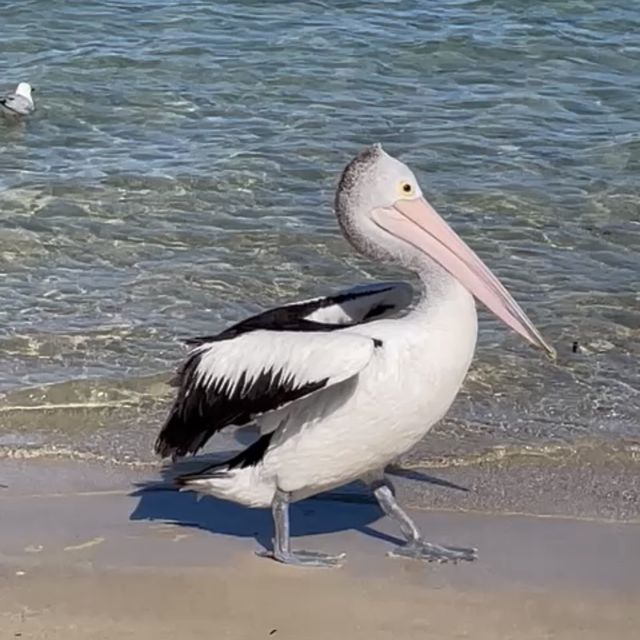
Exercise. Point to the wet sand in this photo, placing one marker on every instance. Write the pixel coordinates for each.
(91, 557)
(264, 602)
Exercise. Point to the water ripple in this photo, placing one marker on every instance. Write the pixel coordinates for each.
(179, 173)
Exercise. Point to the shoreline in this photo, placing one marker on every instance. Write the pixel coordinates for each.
(590, 481)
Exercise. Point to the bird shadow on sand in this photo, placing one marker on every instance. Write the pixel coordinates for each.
(351, 508)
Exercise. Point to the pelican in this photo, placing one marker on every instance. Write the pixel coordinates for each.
(337, 386)
(20, 102)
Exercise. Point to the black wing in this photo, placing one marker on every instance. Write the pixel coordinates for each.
(359, 304)
(231, 381)
(271, 359)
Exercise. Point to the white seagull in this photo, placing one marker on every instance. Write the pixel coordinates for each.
(337, 388)
(20, 102)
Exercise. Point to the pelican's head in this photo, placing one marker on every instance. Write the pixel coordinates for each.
(24, 89)
(382, 212)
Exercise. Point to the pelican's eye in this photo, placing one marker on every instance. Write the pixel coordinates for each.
(405, 188)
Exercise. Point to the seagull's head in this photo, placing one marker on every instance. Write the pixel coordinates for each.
(24, 89)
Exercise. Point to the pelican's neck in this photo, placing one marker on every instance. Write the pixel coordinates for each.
(439, 287)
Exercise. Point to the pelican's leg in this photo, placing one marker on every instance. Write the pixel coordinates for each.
(416, 546)
(282, 541)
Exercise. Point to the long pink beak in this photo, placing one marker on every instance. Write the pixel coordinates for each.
(417, 223)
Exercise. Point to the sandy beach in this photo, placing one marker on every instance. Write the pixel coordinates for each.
(93, 556)
(255, 601)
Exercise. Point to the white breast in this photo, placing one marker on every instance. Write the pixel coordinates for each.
(363, 424)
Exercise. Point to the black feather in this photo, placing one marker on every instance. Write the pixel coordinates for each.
(293, 317)
(378, 310)
(200, 411)
(250, 457)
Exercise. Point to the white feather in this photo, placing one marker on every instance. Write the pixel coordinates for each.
(300, 357)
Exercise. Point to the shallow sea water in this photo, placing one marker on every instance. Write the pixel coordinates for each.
(179, 172)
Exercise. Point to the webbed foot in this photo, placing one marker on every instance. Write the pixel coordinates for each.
(429, 552)
(304, 558)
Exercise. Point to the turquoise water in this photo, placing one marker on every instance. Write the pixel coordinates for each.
(179, 172)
